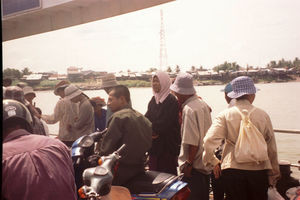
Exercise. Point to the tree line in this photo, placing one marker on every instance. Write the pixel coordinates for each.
(226, 67)
(15, 73)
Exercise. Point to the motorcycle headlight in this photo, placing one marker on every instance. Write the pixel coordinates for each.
(87, 141)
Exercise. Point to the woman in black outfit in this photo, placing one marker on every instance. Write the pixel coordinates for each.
(163, 113)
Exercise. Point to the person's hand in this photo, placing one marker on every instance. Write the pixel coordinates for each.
(217, 171)
(187, 170)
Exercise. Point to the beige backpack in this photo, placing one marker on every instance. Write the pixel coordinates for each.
(250, 145)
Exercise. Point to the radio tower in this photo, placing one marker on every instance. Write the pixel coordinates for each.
(163, 48)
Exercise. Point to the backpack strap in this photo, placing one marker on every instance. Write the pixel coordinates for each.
(242, 114)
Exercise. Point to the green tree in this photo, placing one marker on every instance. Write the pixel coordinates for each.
(193, 68)
(26, 71)
(152, 69)
(177, 69)
(169, 69)
(12, 73)
(296, 63)
(201, 68)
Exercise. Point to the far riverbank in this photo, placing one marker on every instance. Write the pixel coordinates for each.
(96, 85)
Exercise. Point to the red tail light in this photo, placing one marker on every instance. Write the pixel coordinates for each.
(183, 194)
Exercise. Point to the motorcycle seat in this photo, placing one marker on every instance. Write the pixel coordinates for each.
(149, 182)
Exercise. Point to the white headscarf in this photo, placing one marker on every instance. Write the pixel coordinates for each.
(165, 83)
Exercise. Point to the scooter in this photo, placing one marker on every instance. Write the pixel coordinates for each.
(95, 181)
(288, 186)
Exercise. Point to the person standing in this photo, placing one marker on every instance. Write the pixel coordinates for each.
(33, 166)
(242, 180)
(163, 113)
(65, 112)
(17, 93)
(196, 120)
(129, 127)
(29, 94)
(108, 82)
(84, 123)
(100, 113)
(217, 183)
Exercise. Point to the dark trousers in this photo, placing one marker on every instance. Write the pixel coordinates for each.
(199, 185)
(164, 163)
(245, 184)
(217, 187)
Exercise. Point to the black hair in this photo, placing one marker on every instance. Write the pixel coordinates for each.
(7, 82)
(38, 110)
(121, 90)
(245, 96)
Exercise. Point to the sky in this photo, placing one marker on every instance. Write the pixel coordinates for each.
(197, 33)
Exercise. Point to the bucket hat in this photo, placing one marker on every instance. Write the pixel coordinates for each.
(183, 84)
(72, 91)
(227, 89)
(241, 86)
(28, 90)
(62, 84)
(109, 80)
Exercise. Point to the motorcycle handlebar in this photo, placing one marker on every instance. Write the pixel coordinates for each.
(97, 135)
(121, 149)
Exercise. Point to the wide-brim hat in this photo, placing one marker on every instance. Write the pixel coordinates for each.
(28, 90)
(61, 85)
(72, 91)
(241, 86)
(183, 84)
(109, 80)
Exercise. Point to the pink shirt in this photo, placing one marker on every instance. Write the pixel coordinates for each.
(36, 167)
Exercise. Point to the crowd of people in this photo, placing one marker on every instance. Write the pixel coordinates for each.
(176, 135)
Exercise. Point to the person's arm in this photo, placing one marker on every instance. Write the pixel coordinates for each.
(189, 162)
(57, 114)
(112, 136)
(273, 174)
(85, 113)
(213, 139)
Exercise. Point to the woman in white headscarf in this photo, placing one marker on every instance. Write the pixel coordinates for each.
(163, 113)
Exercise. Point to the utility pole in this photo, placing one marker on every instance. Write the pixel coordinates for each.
(163, 48)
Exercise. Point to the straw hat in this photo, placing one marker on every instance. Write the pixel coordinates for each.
(61, 85)
(109, 80)
(28, 90)
(72, 91)
(183, 84)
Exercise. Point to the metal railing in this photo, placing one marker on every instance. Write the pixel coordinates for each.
(286, 131)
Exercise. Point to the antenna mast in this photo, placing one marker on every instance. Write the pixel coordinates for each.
(163, 48)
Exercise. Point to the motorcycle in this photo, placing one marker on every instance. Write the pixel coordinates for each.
(97, 174)
(288, 186)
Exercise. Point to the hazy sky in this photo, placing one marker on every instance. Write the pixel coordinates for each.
(198, 32)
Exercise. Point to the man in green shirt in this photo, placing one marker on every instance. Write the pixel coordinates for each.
(129, 127)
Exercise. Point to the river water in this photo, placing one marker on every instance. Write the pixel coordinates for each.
(280, 100)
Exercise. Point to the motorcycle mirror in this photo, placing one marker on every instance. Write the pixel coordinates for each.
(87, 141)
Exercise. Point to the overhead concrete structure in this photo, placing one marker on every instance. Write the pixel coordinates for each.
(21, 18)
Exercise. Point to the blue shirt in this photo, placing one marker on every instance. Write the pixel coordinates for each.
(100, 122)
